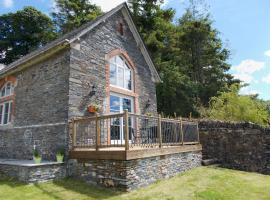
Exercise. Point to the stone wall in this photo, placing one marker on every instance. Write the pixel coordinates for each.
(18, 143)
(88, 67)
(132, 174)
(34, 173)
(40, 110)
(242, 146)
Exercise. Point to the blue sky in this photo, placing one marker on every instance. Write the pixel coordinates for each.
(244, 27)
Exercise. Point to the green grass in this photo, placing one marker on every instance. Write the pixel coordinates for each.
(202, 183)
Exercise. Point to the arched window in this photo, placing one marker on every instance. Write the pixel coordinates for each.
(6, 90)
(6, 103)
(120, 73)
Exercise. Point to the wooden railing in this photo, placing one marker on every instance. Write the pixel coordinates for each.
(132, 131)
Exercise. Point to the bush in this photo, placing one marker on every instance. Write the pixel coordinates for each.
(230, 106)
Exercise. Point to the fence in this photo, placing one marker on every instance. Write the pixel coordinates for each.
(132, 131)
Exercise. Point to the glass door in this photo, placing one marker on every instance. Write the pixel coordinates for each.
(119, 103)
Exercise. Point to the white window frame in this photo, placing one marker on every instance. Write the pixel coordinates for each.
(124, 74)
(10, 107)
(121, 97)
(5, 88)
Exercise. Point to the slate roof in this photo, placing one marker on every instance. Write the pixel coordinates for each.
(77, 33)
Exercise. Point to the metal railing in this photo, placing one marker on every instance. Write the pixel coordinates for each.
(132, 131)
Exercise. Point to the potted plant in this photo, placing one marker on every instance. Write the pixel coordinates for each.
(60, 155)
(93, 108)
(36, 156)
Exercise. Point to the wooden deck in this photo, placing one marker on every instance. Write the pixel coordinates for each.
(119, 153)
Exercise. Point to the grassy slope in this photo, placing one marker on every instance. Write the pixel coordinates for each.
(201, 183)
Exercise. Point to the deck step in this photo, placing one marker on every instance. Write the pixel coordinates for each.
(207, 162)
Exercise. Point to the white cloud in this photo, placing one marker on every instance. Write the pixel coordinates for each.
(246, 69)
(249, 66)
(248, 91)
(266, 79)
(247, 78)
(107, 5)
(267, 53)
(7, 3)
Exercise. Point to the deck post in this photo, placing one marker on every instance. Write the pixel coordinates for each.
(74, 134)
(181, 131)
(126, 132)
(97, 133)
(159, 131)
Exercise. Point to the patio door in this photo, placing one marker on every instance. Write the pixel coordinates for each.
(119, 103)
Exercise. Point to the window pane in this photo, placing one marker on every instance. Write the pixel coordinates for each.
(112, 60)
(120, 77)
(6, 110)
(127, 104)
(113, 74)
(119, 61)
(128, 79)
(10, 112)
(114, 104)
(1, 113)
(8, 89)
(3, 92)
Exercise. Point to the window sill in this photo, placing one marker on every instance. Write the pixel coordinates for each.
(122, 91)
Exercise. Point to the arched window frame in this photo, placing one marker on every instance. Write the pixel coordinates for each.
(4, 90)
(114, 89)
(7, 97)
(119, 63)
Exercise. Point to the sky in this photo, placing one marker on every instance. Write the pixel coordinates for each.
(243, 26)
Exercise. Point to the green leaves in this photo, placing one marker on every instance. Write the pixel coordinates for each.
(189, 55)
(231, 106)
(70, 14)
(22, 32)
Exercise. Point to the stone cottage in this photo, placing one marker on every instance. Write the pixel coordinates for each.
(103, 64)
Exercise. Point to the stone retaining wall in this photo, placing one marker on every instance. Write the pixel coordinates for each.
(34, 173)
(242, 146)
(132, 174)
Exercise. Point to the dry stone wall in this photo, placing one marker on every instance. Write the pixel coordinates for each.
(243, 146)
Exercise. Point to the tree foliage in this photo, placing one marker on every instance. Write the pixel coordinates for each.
(189, 55)
(22, 32)
(231, 106)
(70, 14)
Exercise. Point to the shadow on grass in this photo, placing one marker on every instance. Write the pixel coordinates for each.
(79, 187)
(55, 189)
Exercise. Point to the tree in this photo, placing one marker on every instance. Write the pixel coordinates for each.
(70, 14)
(22, 32)
(175, 93)
(203, 56)
(190, 49)
(230, 106)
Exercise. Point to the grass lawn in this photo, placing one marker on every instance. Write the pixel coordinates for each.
(201, 183)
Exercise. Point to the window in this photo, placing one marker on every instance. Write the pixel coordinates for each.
(6, 101)
(6, 90)
(5, 112)
(120, 73)
(119, 103)
(121, 29)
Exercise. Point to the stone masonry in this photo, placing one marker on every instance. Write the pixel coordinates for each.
(34, 173)
(50, 93)
(41, 111)
(242, 146)
(132, 174)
